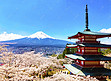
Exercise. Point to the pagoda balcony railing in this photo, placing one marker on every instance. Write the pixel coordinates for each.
(87, 42)
(88, 66)
(89, 53)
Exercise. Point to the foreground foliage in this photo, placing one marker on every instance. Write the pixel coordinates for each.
(105, 51)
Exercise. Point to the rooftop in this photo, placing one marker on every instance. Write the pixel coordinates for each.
(89, 45)
(90, 33)
(88, 57)
(73, 68)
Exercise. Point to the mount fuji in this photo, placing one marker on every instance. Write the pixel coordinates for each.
(40, 35)
(38, 39)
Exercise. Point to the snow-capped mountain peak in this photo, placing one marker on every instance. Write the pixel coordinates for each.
(40, 35)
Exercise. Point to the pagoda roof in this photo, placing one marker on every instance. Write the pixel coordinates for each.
(95, 45)
(90, 33)
(73, 68)
(89, 45)
(88, 57)
(72, 56)
(94, 33)
(71, 46)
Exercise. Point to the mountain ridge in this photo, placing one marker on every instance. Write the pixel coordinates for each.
(39, 38)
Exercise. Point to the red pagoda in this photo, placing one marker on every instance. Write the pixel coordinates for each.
(87, 58)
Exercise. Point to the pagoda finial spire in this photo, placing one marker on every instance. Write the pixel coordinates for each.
(87, 20)
(86, 17)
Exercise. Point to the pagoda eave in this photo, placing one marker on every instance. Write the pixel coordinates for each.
(88, 57)
(74, 69)
(89, 45)
(97, 34)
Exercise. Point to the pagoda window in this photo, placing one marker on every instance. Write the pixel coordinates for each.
(82, 37)
(70, 49)
(82, 50)
(91, 50)
(94, 37)
(78, 47)
(82, 62)
(77, 61)
(92, 62)
(79, 50)
(90, 39)
(79, 37)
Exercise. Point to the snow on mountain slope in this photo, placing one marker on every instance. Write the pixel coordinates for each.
(39, 35)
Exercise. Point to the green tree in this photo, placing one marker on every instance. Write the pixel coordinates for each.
(60, 56)
(69, 51)
(53, 55)
(104, 51)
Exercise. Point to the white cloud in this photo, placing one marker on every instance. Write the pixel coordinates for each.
(106, 30)
(105, 40)
(5, 36)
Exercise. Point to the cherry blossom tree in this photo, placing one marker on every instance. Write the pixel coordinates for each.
(34, 67)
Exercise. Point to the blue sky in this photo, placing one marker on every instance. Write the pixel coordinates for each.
(57, 18)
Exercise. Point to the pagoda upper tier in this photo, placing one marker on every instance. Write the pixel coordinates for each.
(89, 34)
